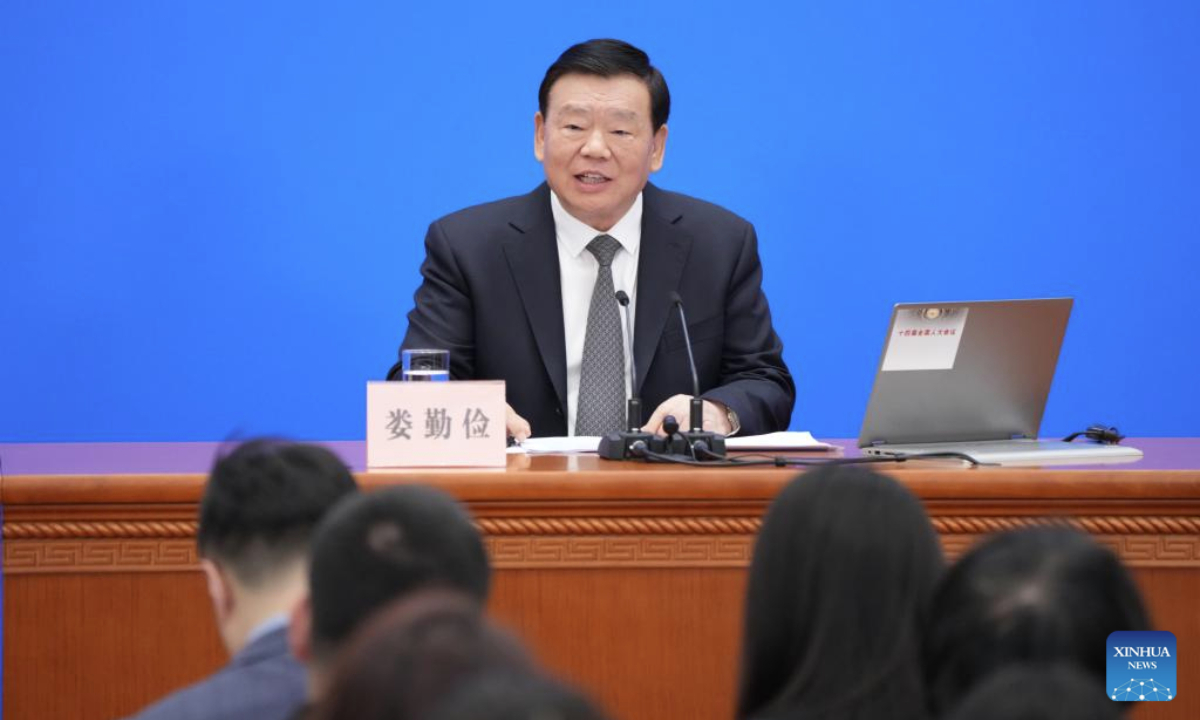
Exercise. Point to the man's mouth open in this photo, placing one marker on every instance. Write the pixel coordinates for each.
(592, 178)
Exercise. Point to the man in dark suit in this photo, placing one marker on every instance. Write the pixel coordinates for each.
(525, 289)
(260, 506)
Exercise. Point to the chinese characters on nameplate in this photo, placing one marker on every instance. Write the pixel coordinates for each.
(450, 424)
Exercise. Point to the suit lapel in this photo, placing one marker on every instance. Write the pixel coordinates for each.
(661, 259)
(532, 254)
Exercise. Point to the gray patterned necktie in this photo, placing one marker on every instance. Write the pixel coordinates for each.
(601, 406)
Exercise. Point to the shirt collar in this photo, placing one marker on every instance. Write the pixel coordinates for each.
(269, 625)
(576, 234)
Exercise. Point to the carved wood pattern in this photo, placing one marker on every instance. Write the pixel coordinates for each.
(1118, 524)
(649, 551)
(946, 525)
(105, 529)
(84, 556)
(1145, 551)
(621, 526)
(524, 542)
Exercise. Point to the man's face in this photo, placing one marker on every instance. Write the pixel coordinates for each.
(597, 145)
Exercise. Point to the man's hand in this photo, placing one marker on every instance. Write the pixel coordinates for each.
(516, 426)
(716, 419)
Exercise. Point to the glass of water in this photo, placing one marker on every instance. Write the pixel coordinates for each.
(425, 365)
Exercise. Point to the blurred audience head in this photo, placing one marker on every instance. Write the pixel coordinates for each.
(1037, 692)
(496, 696)
(1037, 595)
(260, 507)
(413, 654)
(843, 571)
(377, 547)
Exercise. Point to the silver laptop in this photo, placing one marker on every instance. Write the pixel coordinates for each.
(972, 378)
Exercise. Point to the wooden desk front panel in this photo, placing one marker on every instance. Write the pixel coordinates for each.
(630, 584)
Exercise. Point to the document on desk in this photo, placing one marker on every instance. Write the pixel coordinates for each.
(799, 440)
(571, 445)
(802, 440)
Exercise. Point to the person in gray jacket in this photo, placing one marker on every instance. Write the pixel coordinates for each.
(260, 507)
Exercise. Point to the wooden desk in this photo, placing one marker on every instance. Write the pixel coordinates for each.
(625, 578)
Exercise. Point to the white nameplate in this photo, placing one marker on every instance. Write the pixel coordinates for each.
(436, 424)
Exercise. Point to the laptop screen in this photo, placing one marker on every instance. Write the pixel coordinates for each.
(965, 371)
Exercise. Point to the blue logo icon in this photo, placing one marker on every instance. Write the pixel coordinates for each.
(1141, 666)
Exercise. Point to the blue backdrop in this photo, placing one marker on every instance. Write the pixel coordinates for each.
(212, 212)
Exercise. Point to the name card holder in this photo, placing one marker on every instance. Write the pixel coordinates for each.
(436, 424)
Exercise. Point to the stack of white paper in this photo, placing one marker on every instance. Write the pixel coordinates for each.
(799, 440)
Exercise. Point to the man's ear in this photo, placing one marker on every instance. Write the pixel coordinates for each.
(300, 630)
(660, 149)
(539, 136)
(220, 591)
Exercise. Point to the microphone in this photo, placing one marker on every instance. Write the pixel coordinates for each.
(697, 404)
(707, 444)
(632, 442)
(695, 444)
(633, 408)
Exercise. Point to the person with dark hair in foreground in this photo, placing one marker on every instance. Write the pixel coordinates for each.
(375, 548)
(1036, 595)
(415, 653)
(497, 696)
(1037, 692)
(843, 571)
(259, 509)
(524, 289)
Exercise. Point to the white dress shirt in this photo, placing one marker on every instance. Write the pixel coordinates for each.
(577, 270)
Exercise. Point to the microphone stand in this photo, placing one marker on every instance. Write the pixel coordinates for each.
(694, 444)
(631, 442)
(703, 445)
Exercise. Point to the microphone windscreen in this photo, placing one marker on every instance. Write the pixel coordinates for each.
(622, 298)
(675, 298)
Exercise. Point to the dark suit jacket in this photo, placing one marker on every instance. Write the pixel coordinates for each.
(491, 296)
(262, 682)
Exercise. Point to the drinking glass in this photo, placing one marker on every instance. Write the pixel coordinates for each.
(426, 365)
